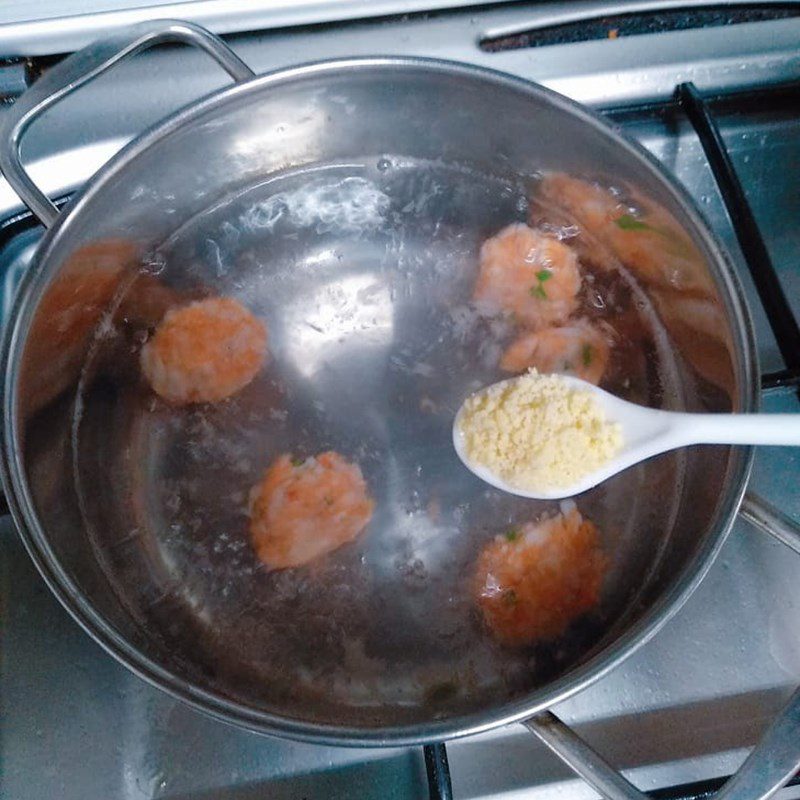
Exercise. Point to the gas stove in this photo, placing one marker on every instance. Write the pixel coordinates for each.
(681, 713)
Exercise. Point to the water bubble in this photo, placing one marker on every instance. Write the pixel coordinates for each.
(154, 263)
(597, 300)
(561, 232)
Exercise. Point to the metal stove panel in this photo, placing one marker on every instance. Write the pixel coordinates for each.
(684, 708)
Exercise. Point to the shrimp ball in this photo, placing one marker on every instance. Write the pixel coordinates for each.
(303, 509)
(651, 244)
(70, 311)
(533, 581)
(529, 274)
(578, 349)
(204, 352)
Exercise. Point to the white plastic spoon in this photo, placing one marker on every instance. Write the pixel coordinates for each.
(646, 432)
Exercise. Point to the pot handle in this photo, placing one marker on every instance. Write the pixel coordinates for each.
(772, 761)
(85, 66)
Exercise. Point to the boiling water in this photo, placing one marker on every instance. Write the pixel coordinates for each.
(363, 274)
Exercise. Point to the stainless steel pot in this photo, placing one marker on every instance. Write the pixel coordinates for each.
(88, 462)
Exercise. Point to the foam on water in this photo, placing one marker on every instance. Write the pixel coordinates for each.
(349, 205)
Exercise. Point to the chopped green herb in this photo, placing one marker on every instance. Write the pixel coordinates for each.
(586, 355)
(538, 291)
(512, 534)
(510, 597)
(629, 223)
(298, 462)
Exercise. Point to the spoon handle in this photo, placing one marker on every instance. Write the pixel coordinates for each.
(778, 429)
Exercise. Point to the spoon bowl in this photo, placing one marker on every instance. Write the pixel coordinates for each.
(646, 432)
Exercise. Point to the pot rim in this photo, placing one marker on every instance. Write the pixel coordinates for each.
(216, 705)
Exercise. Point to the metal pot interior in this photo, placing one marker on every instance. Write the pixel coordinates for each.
(346, 205)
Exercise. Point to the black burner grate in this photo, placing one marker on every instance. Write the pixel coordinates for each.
(439, 784)
(773, 298)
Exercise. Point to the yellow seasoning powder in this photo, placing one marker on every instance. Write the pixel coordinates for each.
(537, 433)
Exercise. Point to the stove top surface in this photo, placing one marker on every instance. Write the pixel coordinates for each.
(684, 708)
